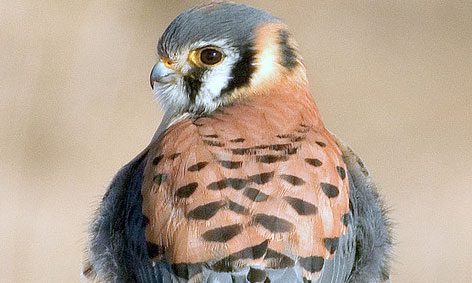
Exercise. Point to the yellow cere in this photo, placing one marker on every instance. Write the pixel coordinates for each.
(167, 62)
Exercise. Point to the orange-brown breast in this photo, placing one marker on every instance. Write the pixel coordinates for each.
(258, 183)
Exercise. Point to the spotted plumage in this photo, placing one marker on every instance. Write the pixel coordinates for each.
(242, 182)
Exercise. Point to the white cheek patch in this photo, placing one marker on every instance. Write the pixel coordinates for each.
(172, 95)
(213, 82)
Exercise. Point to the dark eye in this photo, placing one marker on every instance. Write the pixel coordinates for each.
(210, 56)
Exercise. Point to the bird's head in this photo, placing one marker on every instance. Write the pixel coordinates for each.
(216, 54)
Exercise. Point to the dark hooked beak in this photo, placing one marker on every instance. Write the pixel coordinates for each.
(158, 72)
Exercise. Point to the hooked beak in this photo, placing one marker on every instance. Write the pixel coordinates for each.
(158, 72)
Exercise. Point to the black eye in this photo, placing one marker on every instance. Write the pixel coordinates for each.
(210, 56)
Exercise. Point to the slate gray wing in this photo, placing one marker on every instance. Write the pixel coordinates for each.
(369, 238)
(117, 251)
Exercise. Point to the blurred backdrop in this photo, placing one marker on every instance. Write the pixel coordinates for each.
(392, 78)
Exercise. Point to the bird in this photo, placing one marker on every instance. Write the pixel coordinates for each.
(241, 182)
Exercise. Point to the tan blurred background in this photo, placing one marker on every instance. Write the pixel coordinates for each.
(392, 78)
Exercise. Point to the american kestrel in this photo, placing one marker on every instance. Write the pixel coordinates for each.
(241, 182)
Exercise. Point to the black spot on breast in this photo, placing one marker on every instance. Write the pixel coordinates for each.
(331, 244)
(256, 275)
(174, 156)
(322, 144)
(292, 150)
(159, 178)
(236, 207)
(312, 263)
(287, 52)
(210, 136)
(235, 183)
(303, 130)
(255, 195)
(291, 137)
(306, 280)
(341, 172)
(242, 70)
(206, 211)
(187, 190)
(154, 250)
(231, 164)
(270, 158)
(214, 143)
(293, 180)
(262, 178)
(277, 260)
(255, 149)
(198, 166)
(330, 191)
(186, 270)
(273, 223)
(301, 207)
(222, 234)
(157, 159)
(238, 140)
(254, 252)
(314, 162)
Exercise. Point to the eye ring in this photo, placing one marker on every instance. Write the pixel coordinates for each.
(209, 56)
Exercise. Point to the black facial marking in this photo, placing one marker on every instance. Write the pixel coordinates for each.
(256, 275)
(242, 70)
(254, 252)
(330, 191)
(214, 143)
(186, 270)
(236, 207)
(193, 82)
(235, 183)
(331, 244)
(198, 166)
(187, 190)
(301, 207)
(312, 263)
(346, 219)
(154, 250)
(222, 234)
(289, 57)
(238, 140)
(157, 159)
(255, 195)
(231, 164)
(273, 223)
(262, 178)
(293, 180)
(206, 211)
(322, 144)
(314, 162)
(278, 260)
(271, 158)
(174, 156)
(341, 172)
(159, 178)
